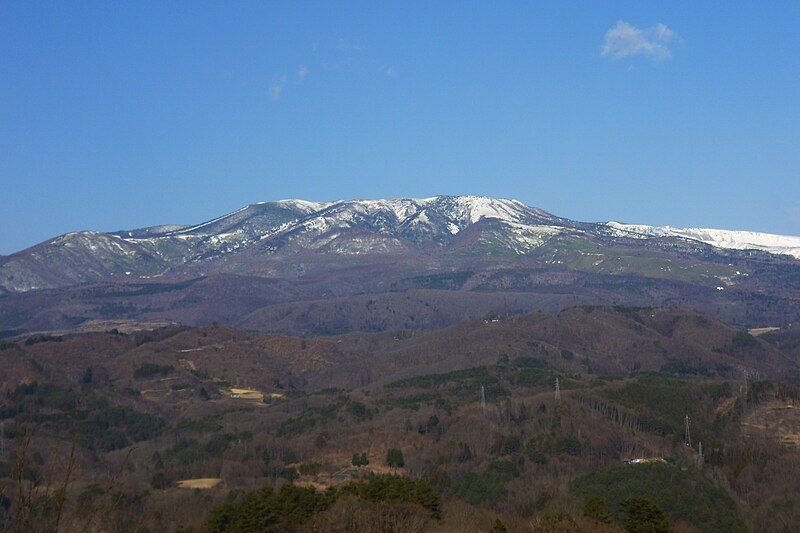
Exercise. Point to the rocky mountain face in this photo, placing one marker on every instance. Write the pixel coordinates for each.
(312, 267)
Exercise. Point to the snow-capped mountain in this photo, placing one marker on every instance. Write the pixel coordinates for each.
(719, 238)
(353, 227)
(419, 221)
(262, 236)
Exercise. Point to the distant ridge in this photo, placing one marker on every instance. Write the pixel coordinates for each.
(734, 240)
(259, 232)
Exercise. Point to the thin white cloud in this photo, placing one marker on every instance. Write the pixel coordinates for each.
(625, 40)
(276, 89)
(341, 55)
(348, 46)
(664, 34)
(302, 73)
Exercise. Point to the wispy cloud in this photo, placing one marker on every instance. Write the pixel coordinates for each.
(625, 40)
(348, 46)
(341, 55)
(276, 89)
(302, 73)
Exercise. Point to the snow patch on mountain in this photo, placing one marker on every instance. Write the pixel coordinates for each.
(306, 206)
(475, 208)
(522, 238)
(729, 239)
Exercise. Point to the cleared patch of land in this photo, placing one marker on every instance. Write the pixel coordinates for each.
(760, 331)
(780, 420)
(247, 394)
(199, 483)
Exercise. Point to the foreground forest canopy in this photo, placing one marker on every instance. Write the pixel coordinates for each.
(593, 419)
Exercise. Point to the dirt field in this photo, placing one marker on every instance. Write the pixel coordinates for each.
(248, 394)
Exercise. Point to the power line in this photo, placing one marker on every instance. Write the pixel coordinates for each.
(687, 438)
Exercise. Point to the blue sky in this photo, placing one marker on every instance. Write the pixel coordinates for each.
(120, 115)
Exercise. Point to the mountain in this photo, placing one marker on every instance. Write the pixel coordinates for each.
(461, 224)
(720, 238)
(345, 227)
(297, 266)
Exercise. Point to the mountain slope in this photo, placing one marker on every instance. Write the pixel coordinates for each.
(719, 238)
(471, 225)
(312, 267)
(344, 228)
(471, 408)
(75, 258)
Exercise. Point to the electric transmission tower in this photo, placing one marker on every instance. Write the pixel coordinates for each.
(687, 438)
(483, 398)
(558, 391)
(2, 439)
(700, 449)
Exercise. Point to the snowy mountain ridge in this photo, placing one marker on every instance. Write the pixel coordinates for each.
(719, 238)
(267, 233)
(419, 220)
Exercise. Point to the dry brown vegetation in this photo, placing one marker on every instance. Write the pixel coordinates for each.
(154, 413)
